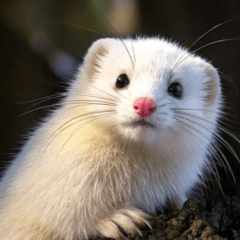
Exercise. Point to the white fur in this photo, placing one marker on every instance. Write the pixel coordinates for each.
(76, 180)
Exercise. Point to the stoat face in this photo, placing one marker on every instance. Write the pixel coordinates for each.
(152, 91)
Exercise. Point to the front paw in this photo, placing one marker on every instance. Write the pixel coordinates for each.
(122, 222)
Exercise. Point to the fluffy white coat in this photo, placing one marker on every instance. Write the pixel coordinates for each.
(87, 170)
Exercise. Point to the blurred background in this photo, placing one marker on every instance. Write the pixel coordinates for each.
(43, 42)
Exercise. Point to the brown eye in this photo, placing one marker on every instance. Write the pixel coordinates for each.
(175, 89)
(122, 81)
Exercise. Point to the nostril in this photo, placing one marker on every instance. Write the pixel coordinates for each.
(144, 106)
(152, 109)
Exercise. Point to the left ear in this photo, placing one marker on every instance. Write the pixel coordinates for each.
(213, 87)
(96, 52)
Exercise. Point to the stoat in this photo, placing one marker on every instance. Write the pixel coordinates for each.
(136, 129)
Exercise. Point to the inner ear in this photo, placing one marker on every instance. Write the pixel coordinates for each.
(94, 57)
(212, 85)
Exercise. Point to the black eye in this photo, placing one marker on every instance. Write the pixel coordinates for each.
(175, 89)
(122, 81)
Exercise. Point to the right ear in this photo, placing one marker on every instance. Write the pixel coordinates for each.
(94, 56)
(212, 86)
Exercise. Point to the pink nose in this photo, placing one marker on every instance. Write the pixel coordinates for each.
(144, 107)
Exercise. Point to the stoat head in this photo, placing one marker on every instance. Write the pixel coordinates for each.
(151, 91)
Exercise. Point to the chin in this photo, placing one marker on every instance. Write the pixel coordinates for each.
(146, 135)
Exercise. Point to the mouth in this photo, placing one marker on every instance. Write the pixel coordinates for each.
(142, 122)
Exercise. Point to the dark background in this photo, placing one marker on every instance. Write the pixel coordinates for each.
(40, 51)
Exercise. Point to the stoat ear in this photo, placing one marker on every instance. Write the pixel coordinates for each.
(212, 87)
(94, 56)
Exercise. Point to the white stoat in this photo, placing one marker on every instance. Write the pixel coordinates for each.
(136, 129)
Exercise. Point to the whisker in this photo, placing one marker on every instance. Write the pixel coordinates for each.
(119, 93)
(111, 94)
(62, 128)
(134, 57)
(44, 98)
(96, 96)
(39, 108)
(211, 29)
(206, 45)
(79, 127)
(229, 79)
(223, 141)
(201, 173)
(104, 92)
(223, 114)
(178, 63)
(184, 125)
(78, 26)
(78, 102)
(105, 104)
(203, 35)
(228, 132)
(116, 34)
(218, 180)
(64, 84)
(198, 109)
(81, 115)
(218, 41)
(219, 138)
(182, 111)
(214, 149)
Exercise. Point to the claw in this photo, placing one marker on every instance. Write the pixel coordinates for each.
(124, 222)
